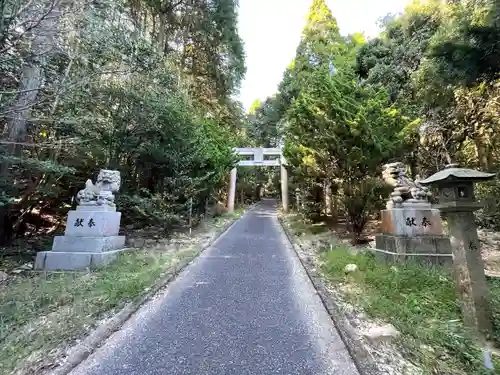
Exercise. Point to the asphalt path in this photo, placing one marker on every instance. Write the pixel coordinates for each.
(244, 307)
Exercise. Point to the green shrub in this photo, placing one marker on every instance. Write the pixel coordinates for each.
(153, 209)
(362, 199)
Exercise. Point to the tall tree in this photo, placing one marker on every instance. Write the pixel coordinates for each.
(89, 87)
(320, 45)
(265, 121)
(320, 40)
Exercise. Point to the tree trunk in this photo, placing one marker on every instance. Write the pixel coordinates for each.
(484, 154)
(43, 48)
(327, 186)
(162, 28)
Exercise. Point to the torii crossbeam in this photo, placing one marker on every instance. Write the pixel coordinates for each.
(259, 160)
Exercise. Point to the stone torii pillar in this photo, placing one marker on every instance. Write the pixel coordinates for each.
(258, 160)
(284, 188)
(232, 190)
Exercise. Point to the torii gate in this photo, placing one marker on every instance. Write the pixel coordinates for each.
(259, 161)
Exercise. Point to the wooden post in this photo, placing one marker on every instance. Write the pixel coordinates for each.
(190, 216)
(297, 199)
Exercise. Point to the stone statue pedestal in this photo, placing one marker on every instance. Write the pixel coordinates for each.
(91, 239)
(413, 232)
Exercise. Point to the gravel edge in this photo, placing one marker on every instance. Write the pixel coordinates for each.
(361, 357)
(84, 349)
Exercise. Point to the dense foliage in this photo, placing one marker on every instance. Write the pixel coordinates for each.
(425, 91)
(147, 87)
(142, 86)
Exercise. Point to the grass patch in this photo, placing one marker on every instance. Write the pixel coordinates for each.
(421, 302)
(300, 226)
(41, 312)
(220, 221)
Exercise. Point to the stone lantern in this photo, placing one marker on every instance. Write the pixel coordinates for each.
(457, 204)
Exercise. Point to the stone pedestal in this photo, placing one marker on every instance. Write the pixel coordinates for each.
(413, 232)
(411, 221)
(423, 249)
(90, 239)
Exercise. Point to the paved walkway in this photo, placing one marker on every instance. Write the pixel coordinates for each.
(244, 307)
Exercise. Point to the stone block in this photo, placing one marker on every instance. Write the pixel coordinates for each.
(432, 244)
(444, 260)
(381, 256)
(49, 260)
(411, 221)
(102, 259)
(52, 261)
(430, 250)
(97, 208)
(84, 223)
(40, 260)
(87, 244)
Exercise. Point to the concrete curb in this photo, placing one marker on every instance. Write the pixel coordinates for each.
(361, 357)
(83, 350)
